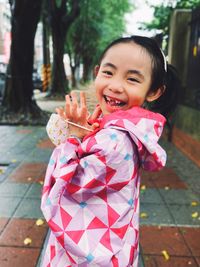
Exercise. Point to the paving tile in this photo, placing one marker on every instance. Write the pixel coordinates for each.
(3, 222)
(159, 261)
(150, 195)
(8, 206)
(44, 248)
(34, 191)
(192, 238)
(29, 172)
(45, 143)
(29, 208)
(188, 145)
(18, 229)
(156, 214)
(155, 239)
(39, 155)
(182, 214)
(164, 178)
(18, 257)
(177, 196)
(13, 189)
(24, 131)
(198, 260)
(140, 262)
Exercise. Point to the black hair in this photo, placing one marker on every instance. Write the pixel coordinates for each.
(163, 76)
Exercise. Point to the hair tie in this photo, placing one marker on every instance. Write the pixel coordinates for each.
(165, 61)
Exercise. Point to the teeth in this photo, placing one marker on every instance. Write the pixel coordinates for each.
(113, 102)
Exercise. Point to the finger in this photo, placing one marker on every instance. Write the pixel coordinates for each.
(83, 112)
(82, 99)
(60, 112)
(95, 115)
(68, 106)
(95, 126)
(74, 105)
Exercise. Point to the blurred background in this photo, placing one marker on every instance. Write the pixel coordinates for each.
(50, 47)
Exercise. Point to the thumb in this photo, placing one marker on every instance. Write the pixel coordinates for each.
(95, 126)
(95, 115)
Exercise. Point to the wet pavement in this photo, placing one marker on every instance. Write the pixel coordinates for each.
(170, 202)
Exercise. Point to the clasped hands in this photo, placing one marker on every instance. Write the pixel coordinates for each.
(76, 114)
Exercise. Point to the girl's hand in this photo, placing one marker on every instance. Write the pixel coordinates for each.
(77, 114)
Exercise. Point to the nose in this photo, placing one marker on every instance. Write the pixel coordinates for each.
(116, 86)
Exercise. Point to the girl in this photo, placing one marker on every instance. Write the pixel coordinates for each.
(91, 191)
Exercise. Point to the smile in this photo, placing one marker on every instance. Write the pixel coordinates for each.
(114, 102)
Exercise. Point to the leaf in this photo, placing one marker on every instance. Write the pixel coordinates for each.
(143, 187)
(143, 215)
(27, 241)
(165, 255)
(195, 215)
(194, 203)
(39, 222)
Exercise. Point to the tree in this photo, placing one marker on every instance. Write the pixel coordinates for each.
(99, 23)
(18, 105)
(162, 14)
(62, 14)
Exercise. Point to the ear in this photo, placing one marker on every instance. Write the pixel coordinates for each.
(151, 96)
(96, 70)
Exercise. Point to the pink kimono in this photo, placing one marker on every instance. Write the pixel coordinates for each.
(91, 191)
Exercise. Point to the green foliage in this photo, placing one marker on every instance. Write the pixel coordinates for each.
(58, 3)
(161, 19)
(162, 14)
(99, 23)
(189, 4)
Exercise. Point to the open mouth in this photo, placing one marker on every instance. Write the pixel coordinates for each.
(114, 102)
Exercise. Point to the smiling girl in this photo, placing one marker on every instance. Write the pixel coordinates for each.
(91, 191)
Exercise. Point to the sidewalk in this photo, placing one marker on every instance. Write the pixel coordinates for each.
(170, 203)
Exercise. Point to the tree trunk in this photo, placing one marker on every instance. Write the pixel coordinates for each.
(73, 71)
(62, 17)
(59, 83)
(86, 70)
(18, 99)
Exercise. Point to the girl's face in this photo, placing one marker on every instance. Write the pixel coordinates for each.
(123, 78)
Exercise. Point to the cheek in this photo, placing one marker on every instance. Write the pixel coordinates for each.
(98, 86)
(137, 100)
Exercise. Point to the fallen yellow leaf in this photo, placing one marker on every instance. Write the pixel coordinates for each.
(13, 160)
(194, 203)
(143, 187)
(165, 255)
(29, 179)
(166, 187)
(27, 241)
(143, 215)
(195, 214)
(39, 222)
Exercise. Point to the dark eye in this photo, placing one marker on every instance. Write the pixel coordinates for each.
(107, 72)
(133, 80)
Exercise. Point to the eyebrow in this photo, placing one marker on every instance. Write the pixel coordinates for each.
(137, 72)
(108, 64)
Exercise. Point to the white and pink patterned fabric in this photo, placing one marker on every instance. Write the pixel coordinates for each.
(91, 191)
